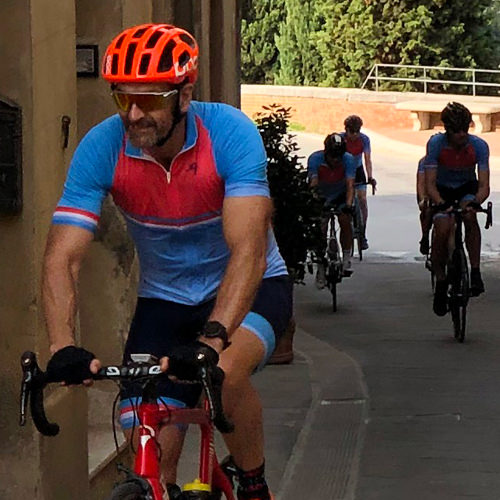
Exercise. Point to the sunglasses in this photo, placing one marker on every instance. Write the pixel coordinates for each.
(147, 101)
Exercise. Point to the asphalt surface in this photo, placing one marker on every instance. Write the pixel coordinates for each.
(381, 402)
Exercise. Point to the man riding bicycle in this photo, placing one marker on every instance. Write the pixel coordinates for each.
(451, 162)
(358, 144)
(424, 207)
(331, 173)
(190, 180)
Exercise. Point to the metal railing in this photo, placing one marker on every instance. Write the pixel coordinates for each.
(426, 80)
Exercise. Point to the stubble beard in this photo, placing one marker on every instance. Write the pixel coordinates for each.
(144, 133)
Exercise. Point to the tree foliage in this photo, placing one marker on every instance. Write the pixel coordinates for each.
(296, 220)
(335, 43)
(259, 27)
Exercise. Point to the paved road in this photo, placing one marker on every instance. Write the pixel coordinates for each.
(381, 402)
(432, 418)
(427, 419)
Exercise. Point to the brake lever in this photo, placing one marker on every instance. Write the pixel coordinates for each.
(32, 389)
(214, 397)
(489, 215)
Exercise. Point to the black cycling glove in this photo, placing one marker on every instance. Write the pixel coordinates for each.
(185, 361)
(442, 207)
(347, 209)
(70, 364)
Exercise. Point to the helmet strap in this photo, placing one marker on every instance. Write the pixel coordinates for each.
(178, 116)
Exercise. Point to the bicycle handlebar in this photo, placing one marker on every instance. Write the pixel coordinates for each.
(456, 209)
(372, 184)
(35, 380)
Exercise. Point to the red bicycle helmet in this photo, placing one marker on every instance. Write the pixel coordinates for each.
(151, 53)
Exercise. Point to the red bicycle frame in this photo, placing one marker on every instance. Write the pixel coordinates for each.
(147, 466)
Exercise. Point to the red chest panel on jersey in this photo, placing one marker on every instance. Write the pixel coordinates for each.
(458, 159)
(354, 146)
(194, 192)
(331, 175)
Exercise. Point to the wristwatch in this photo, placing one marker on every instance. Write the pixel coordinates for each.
(216, 330)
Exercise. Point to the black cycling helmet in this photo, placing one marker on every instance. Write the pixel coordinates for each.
(334, 145)
(353, 123)
(456, 117)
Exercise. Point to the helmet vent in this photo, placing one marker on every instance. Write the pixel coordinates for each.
(153, 39)
(143, 68)
(187, 39)
(129, 59)
(114, 64)
(166, 59)
(139, 33)
(183, 58)
(120, 40)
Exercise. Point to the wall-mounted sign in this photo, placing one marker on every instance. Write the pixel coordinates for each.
(11, 163)
(87, 60)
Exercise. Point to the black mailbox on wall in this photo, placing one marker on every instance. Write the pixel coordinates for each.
(10, 158)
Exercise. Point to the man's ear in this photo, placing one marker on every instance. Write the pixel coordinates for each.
(185, 97)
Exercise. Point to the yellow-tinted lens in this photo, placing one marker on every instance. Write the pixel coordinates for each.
(146, 102)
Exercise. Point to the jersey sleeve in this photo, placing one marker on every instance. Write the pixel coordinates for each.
(90, 176)
(482, 154)
(349, 165)
(421, 166)
(313, 164)
(433, 149)
(366, 144)
(238, 148)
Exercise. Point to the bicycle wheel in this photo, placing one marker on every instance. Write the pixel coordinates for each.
(332, 273)
(459, 296)
(332, 280)
(129, 491)
(359, 230)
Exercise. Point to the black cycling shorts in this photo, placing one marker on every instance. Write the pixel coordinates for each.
(360, 177)
(159, 326)
(456, 195)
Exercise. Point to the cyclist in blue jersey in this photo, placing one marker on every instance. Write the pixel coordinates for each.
(190, 179)
(451, 162)
(424, 207)
(358, 144)
(331, 173)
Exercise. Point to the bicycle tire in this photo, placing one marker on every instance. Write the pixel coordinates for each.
(129, 491)
(459, 294)
(359, 231)
(333, 291)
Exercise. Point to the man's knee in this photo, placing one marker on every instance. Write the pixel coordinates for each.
(241, 359)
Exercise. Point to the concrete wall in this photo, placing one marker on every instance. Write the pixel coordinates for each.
(323, 110)
(38, 72)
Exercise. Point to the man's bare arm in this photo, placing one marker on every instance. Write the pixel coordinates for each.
(65, 249)
(368, 165)
(483, 190)
(246, 222)
(421, 191)
(349, 192)
(430, 183)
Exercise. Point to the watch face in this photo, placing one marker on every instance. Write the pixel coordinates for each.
(214, 328)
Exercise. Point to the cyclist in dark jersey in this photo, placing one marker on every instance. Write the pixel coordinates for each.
(190, 180)
(358, 144)
(451, 162)
(331, 172)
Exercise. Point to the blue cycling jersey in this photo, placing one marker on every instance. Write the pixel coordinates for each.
(331, 180)
(175, 216)
(357, 146)
(456, 167)
(421, 166)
